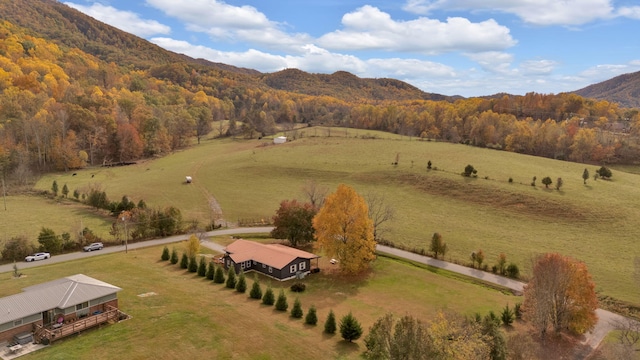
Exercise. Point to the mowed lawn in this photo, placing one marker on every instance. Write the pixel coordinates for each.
(191, 317)
(598, 223)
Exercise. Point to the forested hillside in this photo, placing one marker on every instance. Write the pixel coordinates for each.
(75, 92)
(623, 89)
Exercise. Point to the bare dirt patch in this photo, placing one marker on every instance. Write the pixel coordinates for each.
(476, 192)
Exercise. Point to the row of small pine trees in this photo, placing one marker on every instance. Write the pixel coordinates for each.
(350, 328)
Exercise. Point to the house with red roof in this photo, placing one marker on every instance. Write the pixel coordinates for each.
(274, 260)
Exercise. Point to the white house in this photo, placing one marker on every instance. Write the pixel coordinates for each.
(280, 140)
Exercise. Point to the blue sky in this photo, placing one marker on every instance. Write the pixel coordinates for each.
(450, 47)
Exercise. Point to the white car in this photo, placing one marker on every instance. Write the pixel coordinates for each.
(93, 246)
(37, 256)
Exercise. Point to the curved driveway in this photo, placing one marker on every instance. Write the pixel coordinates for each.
(606, 319)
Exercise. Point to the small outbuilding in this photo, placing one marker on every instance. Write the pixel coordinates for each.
(280, 140)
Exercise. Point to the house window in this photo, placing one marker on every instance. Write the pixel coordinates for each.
(242, 264)
(228, 263)
(254, 262)
(83, 305)
(293, 268)
(302, 265)
(17, 322)
(248, 264)
(264, 266)
(270, 269)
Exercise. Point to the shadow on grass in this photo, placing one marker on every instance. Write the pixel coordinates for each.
(346, 348)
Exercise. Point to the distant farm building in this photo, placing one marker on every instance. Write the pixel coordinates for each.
(280, 140)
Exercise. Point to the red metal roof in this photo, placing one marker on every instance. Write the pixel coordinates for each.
(274, 255)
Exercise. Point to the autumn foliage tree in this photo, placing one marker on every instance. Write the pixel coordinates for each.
(343, 230)
(294, 221)
(560, 295)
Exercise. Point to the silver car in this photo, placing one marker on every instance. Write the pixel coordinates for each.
(93, 246)
(37, 256)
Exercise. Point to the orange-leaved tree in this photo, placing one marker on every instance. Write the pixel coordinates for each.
(344, 231)
(560, 294)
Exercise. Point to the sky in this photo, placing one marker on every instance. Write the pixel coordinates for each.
(450, 47)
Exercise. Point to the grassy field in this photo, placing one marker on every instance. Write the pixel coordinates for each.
(597, 223)
(190, 317)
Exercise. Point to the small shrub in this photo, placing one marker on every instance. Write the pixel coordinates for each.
(210, 271)
(231, 278)
(174, 256)
(330, 326)
(296, 310)
(494, 269)
(165, 254)
(202, 267)
(517, 310)
(298, 287)
(312, 317)
(513, 271)
(241, 286)
(268, 298)
(184, 261)
(281, 303)
(508, 316)
(510, 180)
(256, 291)
(193, 264)
(218, 276)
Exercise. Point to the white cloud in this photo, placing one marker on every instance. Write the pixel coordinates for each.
(538, 67)
(494, 61)
(537, 12)
(224, 22)
(408, 69)
(123, 20)
(368, 28)
(632, 12)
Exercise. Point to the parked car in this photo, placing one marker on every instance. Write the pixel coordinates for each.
(93, 246)
(37, 256)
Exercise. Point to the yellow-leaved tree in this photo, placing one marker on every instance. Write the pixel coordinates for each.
(193, 246)
(344, 231)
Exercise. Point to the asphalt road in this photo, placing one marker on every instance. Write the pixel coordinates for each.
(129, 247)
(606, 319)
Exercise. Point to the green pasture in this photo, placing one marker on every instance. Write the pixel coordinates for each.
(191, 317)
(597, 223)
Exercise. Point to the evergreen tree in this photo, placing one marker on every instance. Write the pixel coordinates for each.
(184, 261)
(350, 328)
(256, 291)
(165, 254)
(268, 298)
(507, 316)
(174, 256)
(54, 188)
(210, 271)
(202, 267)
(231, 278)
(193, 264)
(585, 175)
(281, 303)
(312, 317)
(241, 286)
(65, 190)
(330, 324)
(296, 311)
(218, 276)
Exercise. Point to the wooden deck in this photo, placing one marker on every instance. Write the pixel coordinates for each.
(110, 316)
